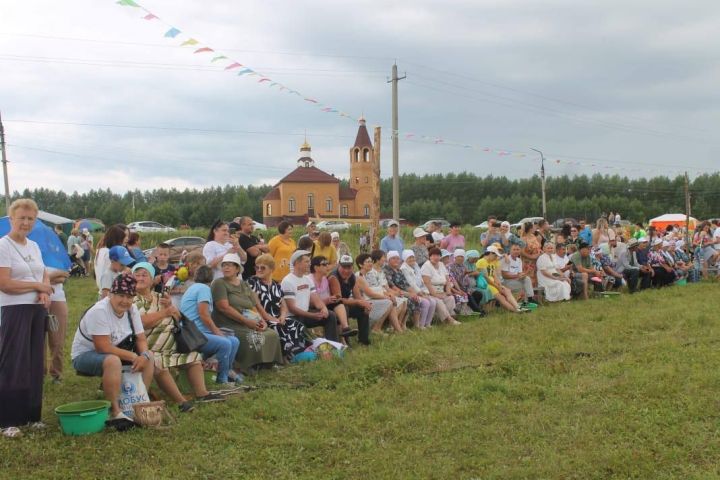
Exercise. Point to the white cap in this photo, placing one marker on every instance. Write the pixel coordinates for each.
(392, 254)
(492, 249)
(459, 252)
(407, 254)
(419, 232)
(505, 224)
(393, 223)
(346, 260)
(232, 258)
(296, 255)
(437, 236)
(85, 230)
(335, 235)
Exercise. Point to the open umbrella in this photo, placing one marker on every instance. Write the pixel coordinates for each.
(92, 224)
(54, 253)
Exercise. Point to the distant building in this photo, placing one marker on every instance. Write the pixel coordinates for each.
(310, 193)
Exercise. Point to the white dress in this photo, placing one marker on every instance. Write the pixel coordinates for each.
(555, 290)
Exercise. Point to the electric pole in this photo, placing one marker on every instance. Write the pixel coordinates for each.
(4, 164)
(395, 146)
(542, 181)
(375, 212)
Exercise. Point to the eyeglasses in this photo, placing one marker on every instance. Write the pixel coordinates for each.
(261, 267)
(323, 264)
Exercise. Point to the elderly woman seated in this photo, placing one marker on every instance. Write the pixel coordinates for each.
(418, 305)
(465, 282)
(556, 285)
(238, 308)
(110, 335)
(435, 277)
(158, 316)
(382, 306)
(411, 270)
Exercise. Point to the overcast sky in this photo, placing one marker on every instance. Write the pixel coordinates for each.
(621, 87)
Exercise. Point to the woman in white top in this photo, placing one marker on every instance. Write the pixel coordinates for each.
(435, 277)
(382, 305)
(115, 235)
(377, 279)
(24, 299)
(219, 243)
(411, 270)
(557, 286)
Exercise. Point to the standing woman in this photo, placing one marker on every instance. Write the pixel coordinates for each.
(282, 247)
(24, 299)
(220, 243)
(531, 252)
(116, 235)
(58, 307)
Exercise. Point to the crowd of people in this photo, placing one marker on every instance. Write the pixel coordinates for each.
(261, 305)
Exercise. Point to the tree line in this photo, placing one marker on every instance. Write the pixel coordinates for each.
(462, 196)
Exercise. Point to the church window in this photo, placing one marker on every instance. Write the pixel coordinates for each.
(311, 200)
(356, 154)
(329, 204)
(343, 210)
(291, 204)
(366, 155)
(268, 210)
(357, 179)
(366, 210)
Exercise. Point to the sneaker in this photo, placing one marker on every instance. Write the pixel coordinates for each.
(121, 422)
(349, 332)
(210, 397)
(186, 407)
(236, 378)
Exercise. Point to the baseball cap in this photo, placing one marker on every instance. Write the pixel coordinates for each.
(232, 258)
(346, 261)
(118, 253)
(298, 254)
(309, 224)
(419, 232)
(393, 223)
(492, 249)
(633, 242)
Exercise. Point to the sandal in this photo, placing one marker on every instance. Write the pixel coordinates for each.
(11, 432)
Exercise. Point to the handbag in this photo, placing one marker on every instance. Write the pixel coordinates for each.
(188, 337)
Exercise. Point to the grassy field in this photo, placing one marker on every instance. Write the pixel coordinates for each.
(622, 388)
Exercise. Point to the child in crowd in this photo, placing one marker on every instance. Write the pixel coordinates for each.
(120, 260)
(163, 269)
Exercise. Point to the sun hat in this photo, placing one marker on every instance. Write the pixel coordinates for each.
(633, 242)
(407, 254)
(145, 266)
(118, 253)
(346, 261)
(492, 249)
(419, 232)
(124, 284)
(459, 252)
(297, 255)
(232, 258)
(392, 254)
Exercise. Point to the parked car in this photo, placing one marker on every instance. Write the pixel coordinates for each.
(443, 223)
(560, 223)
(526, 220)
(177, 245)
(335, 225)
(384, 222)
(146, 226)
(259, 226)
(484, 225)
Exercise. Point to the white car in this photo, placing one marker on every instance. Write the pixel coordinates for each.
(526, 220)
(259, 226)
(335, 225)
(146, 226)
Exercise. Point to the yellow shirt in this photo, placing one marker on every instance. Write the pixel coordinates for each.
(483, 263)
(328, 252)
(281, 252)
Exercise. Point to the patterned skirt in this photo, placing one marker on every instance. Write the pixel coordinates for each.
(162, 343)
(292, 336)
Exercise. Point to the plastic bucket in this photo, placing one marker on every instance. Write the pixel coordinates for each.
(83, 418)
(682, 282)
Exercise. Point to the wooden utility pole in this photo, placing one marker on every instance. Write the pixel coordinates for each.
(4, 164)
(687, 211)
(542, 181)
(375, 211)
(395, 146)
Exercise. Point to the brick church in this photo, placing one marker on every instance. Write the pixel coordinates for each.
(310, 193)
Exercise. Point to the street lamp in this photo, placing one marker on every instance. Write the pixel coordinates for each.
(542, 180)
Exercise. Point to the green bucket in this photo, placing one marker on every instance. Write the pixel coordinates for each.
(682, 282)
(83, 418)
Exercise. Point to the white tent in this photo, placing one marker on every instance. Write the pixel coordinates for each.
(52, 219)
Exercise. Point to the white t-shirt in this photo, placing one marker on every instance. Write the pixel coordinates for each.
(511, 265)
(298, 289)
(102, 265)
(211, 251)
(25, 265)
(101, 320)
(716, 237)
(561, 262)
(438, 276)
(59, 293)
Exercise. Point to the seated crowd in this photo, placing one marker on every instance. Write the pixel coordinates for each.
(261, 305)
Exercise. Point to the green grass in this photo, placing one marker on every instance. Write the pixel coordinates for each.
(585, 390)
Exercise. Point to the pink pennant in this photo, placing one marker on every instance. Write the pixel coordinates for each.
(234, 65)
(310, 100)
(263, 80)
(204, 49)
(150, 16)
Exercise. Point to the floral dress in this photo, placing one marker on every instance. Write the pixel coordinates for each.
(160, 338)
(292, 334)
(532, 249)
(396, 278)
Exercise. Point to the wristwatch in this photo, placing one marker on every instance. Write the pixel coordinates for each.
(146, 354)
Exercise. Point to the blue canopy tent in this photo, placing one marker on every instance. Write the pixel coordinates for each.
(54, 253)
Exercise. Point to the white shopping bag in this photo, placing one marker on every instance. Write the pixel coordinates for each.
(132, 391)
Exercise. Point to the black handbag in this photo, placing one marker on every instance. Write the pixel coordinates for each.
(188, 337)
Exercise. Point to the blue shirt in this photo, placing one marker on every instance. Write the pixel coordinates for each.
(198, 292)
(388, 244)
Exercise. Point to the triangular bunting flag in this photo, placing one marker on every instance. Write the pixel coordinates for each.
(233, 65)
(219, 57)
(172, 33)
(244, 71)
(204, 49)
(150, 16)
(128, 3)
(189, 41)
(263, 80)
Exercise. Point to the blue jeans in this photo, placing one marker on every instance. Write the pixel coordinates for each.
(225, 349)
